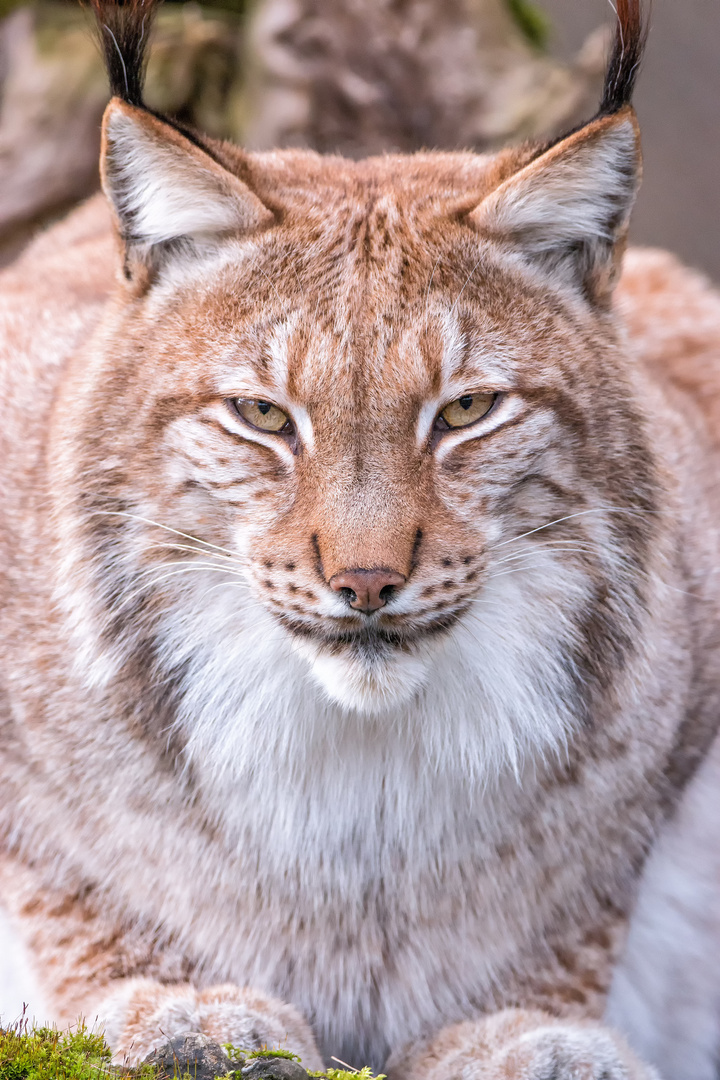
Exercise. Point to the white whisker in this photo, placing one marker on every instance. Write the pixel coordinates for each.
(518, 570)
(199, 551)
(580, 513)
(159, 525)
(190, 564)
(589, 549)
(153, 583)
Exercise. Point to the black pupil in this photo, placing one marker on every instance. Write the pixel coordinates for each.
(264, 407)
(466, 401)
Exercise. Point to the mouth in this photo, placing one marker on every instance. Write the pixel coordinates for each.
(373, 637)
(371, 667)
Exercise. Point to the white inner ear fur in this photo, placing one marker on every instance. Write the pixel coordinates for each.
(163, 190)
(581, 190)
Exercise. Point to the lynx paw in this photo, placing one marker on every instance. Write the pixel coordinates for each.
(568, 1053)
(141, 1015)
(523, 1045)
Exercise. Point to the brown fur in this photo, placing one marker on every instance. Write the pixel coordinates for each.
(214, 769)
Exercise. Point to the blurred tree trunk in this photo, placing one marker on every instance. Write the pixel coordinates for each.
(348, 76)
(53, 92)
(371, 76)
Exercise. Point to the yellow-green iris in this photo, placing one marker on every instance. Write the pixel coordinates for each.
(467, 409)
(263, 415)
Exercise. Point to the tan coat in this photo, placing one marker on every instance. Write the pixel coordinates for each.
(217, 772)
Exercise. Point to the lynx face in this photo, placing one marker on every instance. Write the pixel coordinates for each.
(387, 407)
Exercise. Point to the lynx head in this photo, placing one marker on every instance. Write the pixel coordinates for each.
(384, 397)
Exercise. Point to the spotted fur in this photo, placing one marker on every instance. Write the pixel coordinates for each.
(216, 773)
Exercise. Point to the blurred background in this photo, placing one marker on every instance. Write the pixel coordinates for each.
(678, 103)
(367, 76)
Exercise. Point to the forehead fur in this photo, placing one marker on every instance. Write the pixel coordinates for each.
(348, 224)
(368, 272)
(297, 181)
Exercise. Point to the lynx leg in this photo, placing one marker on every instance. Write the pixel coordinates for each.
(519, 1044)
(141, 1014)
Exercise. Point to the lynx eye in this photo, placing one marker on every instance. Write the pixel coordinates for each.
(466, 410)
(264, 415)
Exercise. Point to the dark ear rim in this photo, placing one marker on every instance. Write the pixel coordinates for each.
(623, 67)
(548, 213)
(548, 156)
(130, 132)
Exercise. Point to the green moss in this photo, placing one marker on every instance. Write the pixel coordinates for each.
(346, 1074)
(248, 1055)
(533, 22)
(48, 1054)
(239, 1055)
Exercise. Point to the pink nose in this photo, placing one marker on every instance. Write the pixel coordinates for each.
(366, 590)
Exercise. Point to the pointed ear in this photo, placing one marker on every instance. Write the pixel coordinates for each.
(163, 188)
(568, 211)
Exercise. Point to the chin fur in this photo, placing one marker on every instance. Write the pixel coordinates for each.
(368, 681)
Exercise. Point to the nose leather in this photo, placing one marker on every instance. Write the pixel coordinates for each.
(367, 590)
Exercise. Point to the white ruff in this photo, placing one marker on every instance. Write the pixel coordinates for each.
(489, 698)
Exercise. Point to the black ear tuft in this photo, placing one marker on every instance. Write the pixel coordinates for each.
(124, 31)
(626, 56)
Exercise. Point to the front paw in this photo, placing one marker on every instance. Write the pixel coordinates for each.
(521, 1044)
(568, 1052)
(141, 1015)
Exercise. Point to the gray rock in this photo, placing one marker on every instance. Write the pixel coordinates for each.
(274, 1068)
(192, 1053)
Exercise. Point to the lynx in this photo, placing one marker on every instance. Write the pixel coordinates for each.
(359, 607)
